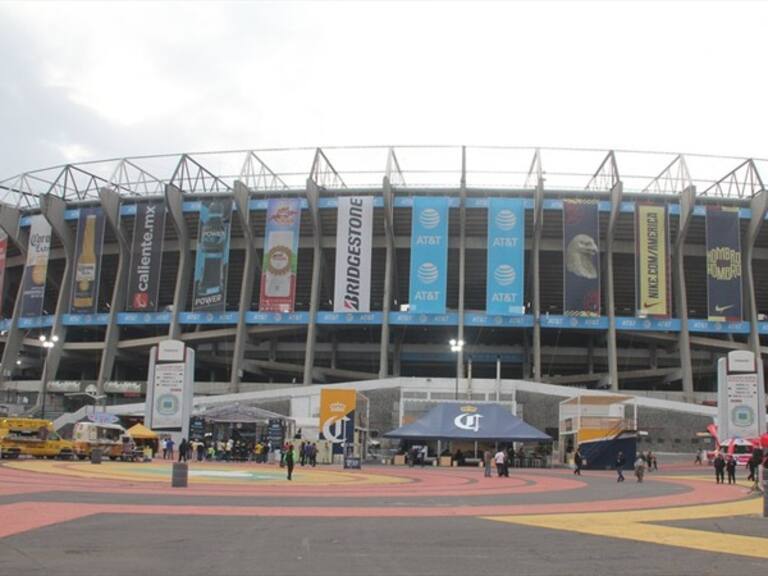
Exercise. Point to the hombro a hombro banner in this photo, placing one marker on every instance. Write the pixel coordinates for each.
(723, 264)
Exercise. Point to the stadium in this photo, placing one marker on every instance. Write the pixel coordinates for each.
(613, 270)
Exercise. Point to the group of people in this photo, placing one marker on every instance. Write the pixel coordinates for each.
(503, 460)
(645, 461)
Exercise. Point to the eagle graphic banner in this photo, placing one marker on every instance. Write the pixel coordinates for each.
(581, 258)
(651, 261)
(723, 264)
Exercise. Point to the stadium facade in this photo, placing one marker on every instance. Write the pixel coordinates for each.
(367, 264)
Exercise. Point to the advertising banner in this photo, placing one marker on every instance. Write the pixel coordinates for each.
(723, 264)
(88, 249)
(3, 253)
(337, 417)
(581, 258)
(168, 395)
(505, 289)
(281, 249)
(354, 241)
(36, 268)
(212, 256)
(146, 257)
(651, 260)
(429, 255)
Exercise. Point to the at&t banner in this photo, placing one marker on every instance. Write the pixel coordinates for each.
(36, 268)
(506, 257)
(146, 257)
(354, 241)
(212, 257)
(723, 264)
(429, 255)
(651, 259)
(281, 247)
(337, 417)
(581, 258)
(88, 249)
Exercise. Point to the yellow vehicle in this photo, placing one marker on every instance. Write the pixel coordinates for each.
(32, 437)
(106, 437)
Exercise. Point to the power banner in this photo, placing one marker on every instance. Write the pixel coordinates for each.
(212, 256)
(88, 249)
(581, 258)
(723, 264)
(506, 257)
(36, 268)
(651, 261)
(337, 417)
(146, 257)
(354, 241)
(3, 253)
(281, 248)
(429, 255)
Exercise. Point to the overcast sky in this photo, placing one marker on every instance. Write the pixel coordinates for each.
(86, 81)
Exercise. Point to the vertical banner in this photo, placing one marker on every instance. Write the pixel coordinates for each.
(281, 249)
(3, 254)
(651, 261)
(429, 255)
(723, 264)
(212, 256)
(88, 249)
(738, 400)
(36, 268)
(581, 258)
(354, 241)
(506, 257)
(337, 417)
(146, 257)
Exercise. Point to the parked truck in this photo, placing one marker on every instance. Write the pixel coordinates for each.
(32, 437)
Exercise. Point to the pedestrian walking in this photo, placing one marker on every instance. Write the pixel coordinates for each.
(289, 460)
(730, 467)
(183, 450)
(620, 461)
(578, 461)
(313, 455)
(752, 465)
(698, 459)
(719, 464)
(640, 468)
(487, 459)
(500, 458)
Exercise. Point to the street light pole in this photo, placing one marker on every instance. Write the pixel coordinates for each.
(457, 346)
(47, 343)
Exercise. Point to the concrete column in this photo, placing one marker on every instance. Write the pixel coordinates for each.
(613, 364)
(538, 221)
(687, 202)
(10, 222)
(174, 200)
(389, 274)
(110, 204)
(462, 259)
(759, 206)
(313, 194)
(251, 268)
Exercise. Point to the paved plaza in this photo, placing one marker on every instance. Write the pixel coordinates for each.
(121, 518)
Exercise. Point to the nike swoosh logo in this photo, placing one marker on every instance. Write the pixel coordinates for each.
(723, 308)
(650, 304)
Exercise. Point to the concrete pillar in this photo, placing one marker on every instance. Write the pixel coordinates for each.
(313, 194)
(538, 222)
(462, 258)
(174, 199)
(759, 206)
(613, 364)
(687, 202)
(10, 222)
(389, 275)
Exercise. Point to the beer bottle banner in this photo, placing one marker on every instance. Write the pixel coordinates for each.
(36, 268)
(88, 250)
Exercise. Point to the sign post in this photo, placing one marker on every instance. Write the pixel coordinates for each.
(168, 406)
(739, 410)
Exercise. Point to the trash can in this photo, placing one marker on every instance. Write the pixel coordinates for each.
(96, 456)
(179, 475)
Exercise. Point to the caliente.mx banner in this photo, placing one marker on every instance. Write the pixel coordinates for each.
(337, 416)
(651, 260)
(354, 241)
(581, 258)
(723, 264)
(88, 249)
(506, 257)
(212, 256)
(146, 257)
(429, 255)
(281, 248)
(36, 268)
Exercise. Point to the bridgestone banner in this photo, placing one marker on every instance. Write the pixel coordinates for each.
(581, 258)
(36, 268)
(281, 248)
(651, 259)
(146, 257)
(3, 254)
(429, 255)
(88, 250)
(723, 264)
(354, 241)
(212, 256)
(506, 257)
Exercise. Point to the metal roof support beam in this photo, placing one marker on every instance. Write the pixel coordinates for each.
(687, 202)
(174, 200)
(613, 365)
(110, 204)
(10, 219)
(538, 223)
(462, 264)
(390, 271)
(251, 266)
(313, 194)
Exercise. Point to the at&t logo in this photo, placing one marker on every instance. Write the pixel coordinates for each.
(429, 218)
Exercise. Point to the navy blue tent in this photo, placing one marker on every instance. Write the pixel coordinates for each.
(465, 421)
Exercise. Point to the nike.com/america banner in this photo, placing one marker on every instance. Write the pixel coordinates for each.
(723, 264)
(354, 241)
(281, 248)
(652, 270)
(581, 258)
(506, 257)
(146, 257)
(429, 255)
